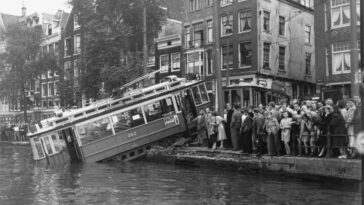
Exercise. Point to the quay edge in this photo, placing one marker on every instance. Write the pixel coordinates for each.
(305, 167)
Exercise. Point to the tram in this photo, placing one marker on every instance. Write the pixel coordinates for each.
(120, 128)
(246, 94)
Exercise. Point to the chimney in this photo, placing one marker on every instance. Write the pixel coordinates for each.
(23, 11)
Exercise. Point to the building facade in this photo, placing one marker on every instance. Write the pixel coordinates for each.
(268, 43)
(70, 58)
(333, 40)
(168, 50)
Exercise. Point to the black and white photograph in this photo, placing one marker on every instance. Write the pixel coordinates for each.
(181, 102)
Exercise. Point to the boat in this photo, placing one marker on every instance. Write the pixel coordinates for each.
(122, 127)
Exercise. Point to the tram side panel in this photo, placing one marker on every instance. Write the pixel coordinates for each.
(133, 138)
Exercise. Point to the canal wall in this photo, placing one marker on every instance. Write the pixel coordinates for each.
(333, 168)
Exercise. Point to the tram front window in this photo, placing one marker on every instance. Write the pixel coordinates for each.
(246, 94)
(48, 145)
(38, 147)
(56, 142)
(236, 97)
(95, 130)
(196, 95)
(204, 95)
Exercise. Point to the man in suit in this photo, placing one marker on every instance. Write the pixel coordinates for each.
(229, 115)
(235, 126)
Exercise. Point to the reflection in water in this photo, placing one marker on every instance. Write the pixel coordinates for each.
(24, 182)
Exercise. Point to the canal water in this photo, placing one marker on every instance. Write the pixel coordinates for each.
(142, 182)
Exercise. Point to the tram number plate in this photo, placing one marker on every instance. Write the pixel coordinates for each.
(132, 134)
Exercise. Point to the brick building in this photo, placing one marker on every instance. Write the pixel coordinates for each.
(268, 43)
(333, 41)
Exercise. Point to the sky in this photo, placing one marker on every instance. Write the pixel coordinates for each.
(44, 6)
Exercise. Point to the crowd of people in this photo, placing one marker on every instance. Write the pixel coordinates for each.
(14, 131)
(301, 128)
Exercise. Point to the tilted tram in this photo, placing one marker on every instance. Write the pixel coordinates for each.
(122, 128)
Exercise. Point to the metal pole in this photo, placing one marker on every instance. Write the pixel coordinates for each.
(228, 67)
(220, 99)
(354, 51)
(361, 93)
(145, 38)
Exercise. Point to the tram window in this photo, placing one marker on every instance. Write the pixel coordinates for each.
(196, 95)
(246, 95)
(204, 95)
(178, 102)
(56, 142)
(136, 117)
(95, 130)
(236, 97)
(121, 121)
(48, 145)
(158, 109)
(38, 147)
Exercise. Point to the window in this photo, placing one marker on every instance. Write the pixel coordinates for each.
(51, 48)
(39, 148)
(308, 64)
(227, 56)
(194, 63)
(56, 47)
(308, 34)
(44, 103)
(195, 5)
(226, 24)
(36, 85)
(67, 70)
(210, 2)
(158, 109)
(210, 36)
(196, 95)
(75, 22)
(282, 54)
(282, 26)
(50, 73)
(77, 44)
(45, 50)
(266, 55)
(341, 59)
(198, 35)
(44, 90)
(204, 94)
(44, 75)
(245, 50)
(76, 70)
(49, 29)
(128, 119)
(340, 13)
(176, 61)
(95, 130)
(188, 36)
(266, 21)
(164, 62)
(245, 21)
(56, 88)
(50, 89)
(226, 2)
(209, 62)
(67, 47)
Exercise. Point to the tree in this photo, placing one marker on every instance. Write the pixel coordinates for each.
(112, 40)
(22, 61)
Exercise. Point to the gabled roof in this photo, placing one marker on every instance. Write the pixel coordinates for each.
(64, 19)
(6, 20)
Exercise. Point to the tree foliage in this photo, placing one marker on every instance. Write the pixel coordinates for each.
(21, 61)
(113, 40)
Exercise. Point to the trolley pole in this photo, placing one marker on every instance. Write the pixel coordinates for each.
(144, 38)
(219, 99)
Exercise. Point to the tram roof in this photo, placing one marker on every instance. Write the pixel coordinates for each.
(69, 117)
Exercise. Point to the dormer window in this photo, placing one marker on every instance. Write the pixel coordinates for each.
(49, 29)
(75, 22)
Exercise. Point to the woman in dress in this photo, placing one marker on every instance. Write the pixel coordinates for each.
(221, 135)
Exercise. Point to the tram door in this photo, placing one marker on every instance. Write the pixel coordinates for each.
(189, 105)
(71, 143)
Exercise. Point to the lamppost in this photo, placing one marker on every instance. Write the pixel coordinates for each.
(228, 31)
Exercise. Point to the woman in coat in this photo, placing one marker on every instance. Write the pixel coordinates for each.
(338, 130)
